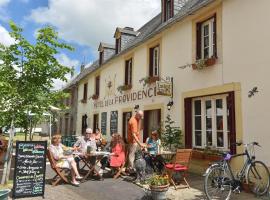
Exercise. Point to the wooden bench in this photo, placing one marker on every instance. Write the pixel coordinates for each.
(61, 173)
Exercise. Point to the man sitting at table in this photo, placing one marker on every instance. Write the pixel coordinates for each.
(155, 161)
(83, 142)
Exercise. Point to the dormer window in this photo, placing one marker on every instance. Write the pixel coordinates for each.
(168, 8)
(101, 57)
(118, 45)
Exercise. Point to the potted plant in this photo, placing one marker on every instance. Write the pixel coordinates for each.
(202, 63)
(122, 88)
(94, 96)
(212, 153)
(158, 185)
(149, 80)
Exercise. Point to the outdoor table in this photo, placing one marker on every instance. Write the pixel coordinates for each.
(92, 167)
(167, 155)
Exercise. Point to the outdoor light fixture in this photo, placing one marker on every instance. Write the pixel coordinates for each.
(170, 104)
(136, 108)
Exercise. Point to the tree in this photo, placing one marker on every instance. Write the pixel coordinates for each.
(171, 136)
(27, 74)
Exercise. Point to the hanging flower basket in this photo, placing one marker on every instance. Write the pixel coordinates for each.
(202, 63)
(94, 97)
(83, 101)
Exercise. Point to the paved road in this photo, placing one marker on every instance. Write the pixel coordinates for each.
(111, 189)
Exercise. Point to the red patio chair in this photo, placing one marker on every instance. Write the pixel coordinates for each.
(180, 164)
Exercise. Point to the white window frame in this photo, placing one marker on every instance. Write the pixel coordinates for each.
(214, 128)
(156, 61)
(129, 68)
(211, 46)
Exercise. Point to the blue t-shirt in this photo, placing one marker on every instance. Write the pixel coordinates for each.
(154, 145)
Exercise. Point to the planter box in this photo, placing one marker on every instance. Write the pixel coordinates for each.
(83, 101)
(247, 187)
(198, 154)
(153, 79)
(207, 63)
(95, 97)
(213, 157)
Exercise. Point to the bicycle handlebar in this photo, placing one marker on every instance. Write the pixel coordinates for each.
(240, 143)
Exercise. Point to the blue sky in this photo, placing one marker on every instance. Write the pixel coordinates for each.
(81, 23)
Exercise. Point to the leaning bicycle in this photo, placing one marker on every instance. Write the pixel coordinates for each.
(220, 181)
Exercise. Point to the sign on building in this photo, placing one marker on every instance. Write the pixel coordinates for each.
(114, 122)
(164, 88)
(104, 123)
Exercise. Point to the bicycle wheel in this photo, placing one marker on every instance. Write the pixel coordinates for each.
(258, 178)
(217, 184)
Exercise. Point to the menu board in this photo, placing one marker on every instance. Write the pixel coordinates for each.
(30, 169)
(104, 123)
(114, 122)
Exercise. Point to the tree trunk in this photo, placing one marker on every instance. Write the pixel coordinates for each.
(8, 157)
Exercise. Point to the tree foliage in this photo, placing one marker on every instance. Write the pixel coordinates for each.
(27, 75)
(171, 136)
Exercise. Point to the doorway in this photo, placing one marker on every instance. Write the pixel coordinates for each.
(126, 118)
(152, 120)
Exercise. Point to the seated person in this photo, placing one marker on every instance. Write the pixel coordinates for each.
(83, 142)
(153, 145)
(98, 137)
(117, 156)
(64, 161)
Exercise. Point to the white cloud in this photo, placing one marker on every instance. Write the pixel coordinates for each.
(4, 2)
(63, 59)
(5, 38)
(88, 22)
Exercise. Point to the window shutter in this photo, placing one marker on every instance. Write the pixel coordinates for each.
(215, 35)
(116, 46)
(151, 61)
(130, 72)
(172, 8)
(163, 2)
(188, 123)
(198, 41)
(97, 85)
(85, 91)
(231, 120)
(126, 72)
(146, 127)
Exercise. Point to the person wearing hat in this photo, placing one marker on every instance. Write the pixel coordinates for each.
(154, 160)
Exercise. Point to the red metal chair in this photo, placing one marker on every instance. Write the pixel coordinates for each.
(180, 164)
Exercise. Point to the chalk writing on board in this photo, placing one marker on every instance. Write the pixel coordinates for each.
(30, 165)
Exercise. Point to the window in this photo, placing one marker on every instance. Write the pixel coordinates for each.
(85, 88)
(154, 62)
(168, 9)
(95, 122)
(210, 122)
(128, 72)
(97, 85)
(101, 57)
(206, 39)
(118, 45)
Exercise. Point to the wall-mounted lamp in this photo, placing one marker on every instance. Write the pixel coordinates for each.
(170, 104)
(136, 108)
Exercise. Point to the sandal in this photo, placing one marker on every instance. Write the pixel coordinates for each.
(79, 177)
(75, 183)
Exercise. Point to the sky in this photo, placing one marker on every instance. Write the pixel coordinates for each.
(81, 23)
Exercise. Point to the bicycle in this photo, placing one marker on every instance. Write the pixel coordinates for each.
(220, 182)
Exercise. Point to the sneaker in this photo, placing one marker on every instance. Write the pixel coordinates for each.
(79, 178)
(101, 171)
(75, 183)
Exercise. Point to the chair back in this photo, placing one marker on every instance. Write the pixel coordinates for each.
(51, 159)
(183, 157)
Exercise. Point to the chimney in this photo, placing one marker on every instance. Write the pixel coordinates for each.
(82, 67)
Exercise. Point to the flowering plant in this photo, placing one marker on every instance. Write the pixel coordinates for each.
(158, 180)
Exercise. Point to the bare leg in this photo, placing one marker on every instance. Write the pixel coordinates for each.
(73, 175)
(74, 168)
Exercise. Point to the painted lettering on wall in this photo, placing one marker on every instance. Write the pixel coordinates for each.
(127, 98)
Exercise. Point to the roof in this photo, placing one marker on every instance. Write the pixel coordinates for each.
(126, 30)
(149, 30)
(106, 46)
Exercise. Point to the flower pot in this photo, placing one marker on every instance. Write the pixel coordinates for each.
(153, 79)
(247, 187)
(159, 192)
(95, 97)
(210, 61)
(4, 194)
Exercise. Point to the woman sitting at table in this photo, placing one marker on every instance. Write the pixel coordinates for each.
(155, 161)
(117, 156)
(64, 159)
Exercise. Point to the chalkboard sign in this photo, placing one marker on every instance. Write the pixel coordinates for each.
(104, 123)
(114, 122)
(30, 169)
